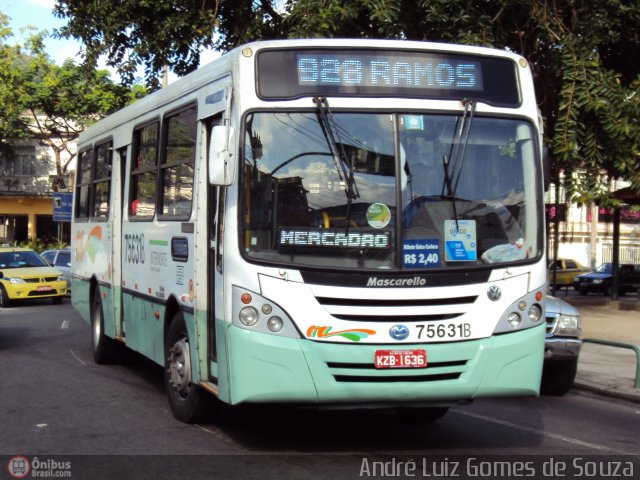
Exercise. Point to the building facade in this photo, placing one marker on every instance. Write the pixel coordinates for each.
(585, 233)
(26, 194)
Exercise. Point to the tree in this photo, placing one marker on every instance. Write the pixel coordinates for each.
(63, 100)
(584, 55)
(155, 33)
(12, 124)
(52, 102)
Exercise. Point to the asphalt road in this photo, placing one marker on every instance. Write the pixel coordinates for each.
(114, 421)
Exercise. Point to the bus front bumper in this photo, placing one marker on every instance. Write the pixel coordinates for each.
(268, 368)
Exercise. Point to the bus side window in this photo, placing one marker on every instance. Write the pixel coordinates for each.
(102, 182)
(83, 183)
(177, 168)
(144, 173)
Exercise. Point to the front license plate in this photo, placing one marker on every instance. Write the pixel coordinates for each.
(46, 288)
(400, 359)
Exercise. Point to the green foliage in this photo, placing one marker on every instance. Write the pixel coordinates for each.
(141, 32)
(12, 97)
(584, 55)
(40, 245)
(50, 101)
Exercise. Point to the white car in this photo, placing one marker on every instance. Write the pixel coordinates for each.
(61, 260)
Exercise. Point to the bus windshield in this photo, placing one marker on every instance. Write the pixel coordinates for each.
(389, 190)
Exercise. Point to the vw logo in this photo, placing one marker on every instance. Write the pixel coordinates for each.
(494, 293)
(399, 332)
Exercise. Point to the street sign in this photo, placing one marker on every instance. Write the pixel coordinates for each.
(62, 206)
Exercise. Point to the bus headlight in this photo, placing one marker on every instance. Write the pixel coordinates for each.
(525, 312)
(275, 324)
(514, 319)
(248, 316)
(535, 313)
(252, 311)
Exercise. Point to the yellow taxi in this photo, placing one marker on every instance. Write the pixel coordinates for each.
(566, 271)
(25, 275)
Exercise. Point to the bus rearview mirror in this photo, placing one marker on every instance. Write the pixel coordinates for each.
(221, 155)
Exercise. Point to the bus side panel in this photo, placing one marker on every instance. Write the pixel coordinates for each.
(144, 332)
(91, 262)
(80, 295)
(106, 294)
(221, 368)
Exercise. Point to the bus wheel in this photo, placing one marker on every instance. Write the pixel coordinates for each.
(421, 414)
(5, 301)
(104, 348)
(186, 400)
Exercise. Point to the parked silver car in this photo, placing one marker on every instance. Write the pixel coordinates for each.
(562, 347)
(61, 259)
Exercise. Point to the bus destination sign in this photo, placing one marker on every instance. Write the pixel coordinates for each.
(381, 70)
(289, 74)
(333, 238)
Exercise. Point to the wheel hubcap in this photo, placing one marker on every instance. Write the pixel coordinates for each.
(180, 368)
(97, 328)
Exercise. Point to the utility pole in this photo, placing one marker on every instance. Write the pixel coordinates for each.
(165, 76)
(594, 235)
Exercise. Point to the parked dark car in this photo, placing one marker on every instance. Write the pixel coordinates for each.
(601, 280)
(562, 347)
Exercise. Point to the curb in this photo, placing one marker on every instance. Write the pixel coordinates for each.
(629, 395)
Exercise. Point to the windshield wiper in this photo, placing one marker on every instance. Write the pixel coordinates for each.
(453, 163)
(325, 118)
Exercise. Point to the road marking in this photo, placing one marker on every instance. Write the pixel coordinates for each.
(536, 431)
(77, 358)
(65, 325)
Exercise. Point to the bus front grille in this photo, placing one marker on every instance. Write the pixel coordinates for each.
(396, 302)
(385, 310)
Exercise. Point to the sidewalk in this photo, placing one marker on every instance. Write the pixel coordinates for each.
(605, 369)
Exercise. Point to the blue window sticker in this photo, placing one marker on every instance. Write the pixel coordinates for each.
(460, 240)
(421, 253)
(413, 122)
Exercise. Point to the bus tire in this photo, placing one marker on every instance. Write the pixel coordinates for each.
(5, 301)
(421, 414)
(104, 348)
(186, 399)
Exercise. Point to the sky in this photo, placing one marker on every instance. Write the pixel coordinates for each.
(39, 13)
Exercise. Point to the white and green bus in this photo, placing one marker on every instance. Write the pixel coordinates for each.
(341, 223)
